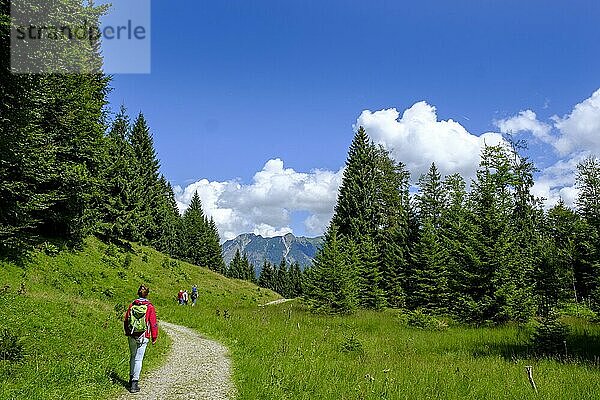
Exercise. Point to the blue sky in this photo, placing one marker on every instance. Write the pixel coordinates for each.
(235, 84)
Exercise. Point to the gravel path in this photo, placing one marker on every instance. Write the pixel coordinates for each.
(208, 376)
(275, 302)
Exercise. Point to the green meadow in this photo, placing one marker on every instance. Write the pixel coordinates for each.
(65, 308)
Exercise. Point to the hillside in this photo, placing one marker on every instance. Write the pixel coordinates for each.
(66, 308)
(258, 249)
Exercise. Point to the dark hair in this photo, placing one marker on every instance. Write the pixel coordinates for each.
(143, 291)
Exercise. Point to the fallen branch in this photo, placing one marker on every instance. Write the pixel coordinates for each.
(529, 370)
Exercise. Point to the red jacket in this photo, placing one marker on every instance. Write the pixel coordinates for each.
(150, 319)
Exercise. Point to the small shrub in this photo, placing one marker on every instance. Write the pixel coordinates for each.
(5, 290)
(11, 348)
(351, 345)
(50, 249)
(111, 250)
(127, 261)
(418, 319)
(550, 336)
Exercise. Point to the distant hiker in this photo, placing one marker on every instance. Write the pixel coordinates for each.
(140, 326)
(185, 297)
(194, 295)
(180, 297)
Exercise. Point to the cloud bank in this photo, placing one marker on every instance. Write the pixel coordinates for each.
(265, 206)
(277, 195)
(417, 139)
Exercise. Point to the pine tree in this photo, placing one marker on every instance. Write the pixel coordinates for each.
(214, 254)
(431, 200)
(588, 206)
(194, 232)
(266, 276)
(51, 143)
(392, 235)
(145, 189)
(115, 222)
(429, 275)
(370, 293)
(295, 281)
(460, 240)
(430, 279)
(281, 283)
(355, 211)
(330, 282)
(235, 269)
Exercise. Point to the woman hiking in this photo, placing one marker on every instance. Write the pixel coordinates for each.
(140, 326)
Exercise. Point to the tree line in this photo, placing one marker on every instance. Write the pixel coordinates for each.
(285, 279)
(67, 171)
(487, 253)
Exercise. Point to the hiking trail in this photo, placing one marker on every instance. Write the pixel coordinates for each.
(196, 368)
(272, 303)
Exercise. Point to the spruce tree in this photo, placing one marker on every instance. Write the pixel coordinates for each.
(588, 207)
(145, 189)
(330, 284)
(370, 293)
(266, 276)
(430, 279)
(235, 269)
(295, 281)
(194, 232)
(355, 211)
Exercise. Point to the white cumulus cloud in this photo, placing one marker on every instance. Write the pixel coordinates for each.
(580, 130)
(266, 205)
(526, 121)
(417, 139)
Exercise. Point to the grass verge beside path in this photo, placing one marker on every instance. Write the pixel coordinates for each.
(285, 352)
(68, 316)
(68, 319)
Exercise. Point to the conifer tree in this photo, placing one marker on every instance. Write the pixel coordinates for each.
(355, 211)
(370, 293)
(115, 222)
(235, 269)
(330, 284)
(266, 276)
(392, 236)
(281, 278)
(214, 256)
(51, 143)
(295, 281)
(430, 280)
(587, 270)
(194, 232)
(145, 190)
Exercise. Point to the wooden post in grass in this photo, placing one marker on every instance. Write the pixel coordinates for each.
(529, 370)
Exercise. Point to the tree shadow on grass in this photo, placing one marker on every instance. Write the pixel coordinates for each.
(580, 348)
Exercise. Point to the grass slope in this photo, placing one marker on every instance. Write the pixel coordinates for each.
(279, 352)
(69, 317)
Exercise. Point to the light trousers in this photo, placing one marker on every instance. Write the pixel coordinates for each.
(137, 348)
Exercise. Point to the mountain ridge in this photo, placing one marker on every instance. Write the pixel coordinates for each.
(274, 249)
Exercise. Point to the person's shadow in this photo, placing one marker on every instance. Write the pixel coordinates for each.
(116, 379)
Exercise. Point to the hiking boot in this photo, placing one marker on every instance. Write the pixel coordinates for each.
(133, 388)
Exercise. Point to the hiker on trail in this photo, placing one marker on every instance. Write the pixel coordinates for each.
(185, 297)
(180, 297)
(194, 295)
(140, 326)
